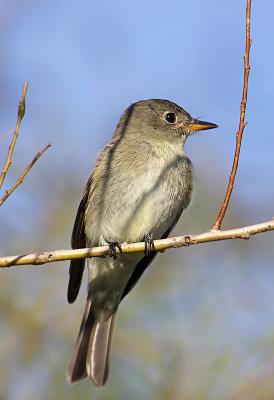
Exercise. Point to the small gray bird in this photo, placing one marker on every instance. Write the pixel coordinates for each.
(138, 188)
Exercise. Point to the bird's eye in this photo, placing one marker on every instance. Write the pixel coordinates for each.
(170, 117)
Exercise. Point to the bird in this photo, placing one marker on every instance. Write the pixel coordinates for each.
(137, 190)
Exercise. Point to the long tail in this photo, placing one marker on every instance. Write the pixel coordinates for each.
(91, 354)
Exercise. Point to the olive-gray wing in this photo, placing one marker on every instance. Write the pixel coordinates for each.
(78, 241)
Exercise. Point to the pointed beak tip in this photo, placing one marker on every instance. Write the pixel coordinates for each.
(197, 125)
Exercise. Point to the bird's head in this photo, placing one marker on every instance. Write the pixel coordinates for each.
(162, 120)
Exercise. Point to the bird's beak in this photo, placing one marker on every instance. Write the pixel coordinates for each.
(196, 125)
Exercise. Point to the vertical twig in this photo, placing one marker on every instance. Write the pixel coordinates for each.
(242, 123)
(21, 113)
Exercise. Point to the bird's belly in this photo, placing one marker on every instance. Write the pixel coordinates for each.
(151, 213)
(153, 216)
(146, 210)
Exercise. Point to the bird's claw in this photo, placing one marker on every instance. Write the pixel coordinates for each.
(113, 249)
(149, 244)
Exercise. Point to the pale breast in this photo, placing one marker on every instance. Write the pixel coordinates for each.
(129, 204)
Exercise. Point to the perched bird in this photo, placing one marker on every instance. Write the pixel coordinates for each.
(137, 190)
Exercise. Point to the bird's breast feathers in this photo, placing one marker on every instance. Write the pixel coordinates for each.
(145, 202)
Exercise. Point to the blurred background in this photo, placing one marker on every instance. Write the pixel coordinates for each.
(200, 324)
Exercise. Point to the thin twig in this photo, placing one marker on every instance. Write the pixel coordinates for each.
(21, 113)
(242, 123)
(159, 245)
(22, 176)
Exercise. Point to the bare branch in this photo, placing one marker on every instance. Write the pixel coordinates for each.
(242, 123)
(21, 113)
(160, 245)
(22, 176)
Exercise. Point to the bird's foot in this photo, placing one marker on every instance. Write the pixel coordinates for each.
(113, 249)
(149, 244)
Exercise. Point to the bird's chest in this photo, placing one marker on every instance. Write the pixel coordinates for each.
(151, 201)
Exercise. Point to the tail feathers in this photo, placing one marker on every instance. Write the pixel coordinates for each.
(77, 365)
(91, 354)
(99, 351)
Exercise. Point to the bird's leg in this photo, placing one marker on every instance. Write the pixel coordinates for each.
(112, 249)
(149, 244)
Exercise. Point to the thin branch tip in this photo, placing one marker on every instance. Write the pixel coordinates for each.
(218, 222)
(23, 175)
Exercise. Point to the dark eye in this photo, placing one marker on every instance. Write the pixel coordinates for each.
(170, 117)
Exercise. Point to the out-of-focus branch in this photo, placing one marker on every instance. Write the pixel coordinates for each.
(242, 123)
(22, 176)
(21, 113)
(159, 245)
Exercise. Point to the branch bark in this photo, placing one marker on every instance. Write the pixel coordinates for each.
(217, 224)
(159, 245)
